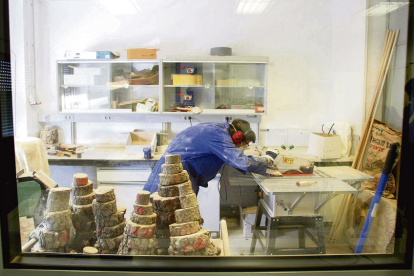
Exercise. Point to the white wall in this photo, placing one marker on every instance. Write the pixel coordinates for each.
(303, 39)
(390, 108)
(348, 62)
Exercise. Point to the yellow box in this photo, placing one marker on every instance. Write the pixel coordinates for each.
(141, 53)
(186, 79)
(227, 82)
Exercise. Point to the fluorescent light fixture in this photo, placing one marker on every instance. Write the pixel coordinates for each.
(252, 6)
(121, 7)
(384, 8)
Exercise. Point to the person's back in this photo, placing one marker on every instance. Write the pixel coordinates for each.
(204, 148)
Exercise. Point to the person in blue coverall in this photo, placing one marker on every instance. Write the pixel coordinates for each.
(205, 147)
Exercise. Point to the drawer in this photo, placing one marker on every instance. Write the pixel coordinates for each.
(130, 175)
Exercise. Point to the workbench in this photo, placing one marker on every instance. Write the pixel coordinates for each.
(282, 200)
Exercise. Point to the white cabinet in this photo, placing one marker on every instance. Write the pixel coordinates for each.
(219, 86)
(109, 86)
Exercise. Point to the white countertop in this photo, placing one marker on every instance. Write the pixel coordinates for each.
(107, 153)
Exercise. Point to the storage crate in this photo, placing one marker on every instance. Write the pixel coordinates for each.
(141, 53)
(137, 141)
(186, 79)
(325, 146)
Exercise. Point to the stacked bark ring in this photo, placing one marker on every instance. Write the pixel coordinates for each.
(187, 237)
(139, 235)
(172, 179)
(82, 195)
(56, 235)
(109, 218)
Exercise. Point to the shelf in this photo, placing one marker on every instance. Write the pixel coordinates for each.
(192, 86)
(84, 85)
(231, 86)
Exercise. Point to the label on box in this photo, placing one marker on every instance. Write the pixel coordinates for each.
(288, 160)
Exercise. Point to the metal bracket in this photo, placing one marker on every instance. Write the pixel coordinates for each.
(323, 202)
(295, 203)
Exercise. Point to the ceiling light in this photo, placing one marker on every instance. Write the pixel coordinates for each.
(121, 7)
(252, 6)
(384, 8)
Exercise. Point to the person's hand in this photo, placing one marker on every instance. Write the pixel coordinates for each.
(272, 153)
(270, 161)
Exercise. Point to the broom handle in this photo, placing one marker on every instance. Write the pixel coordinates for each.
(389, 163)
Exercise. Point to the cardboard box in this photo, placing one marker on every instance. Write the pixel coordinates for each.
(106, 55)
(247, 219)
(325, 146)
(137, 141)
(80, 55)
(186, 79)
(141, 53)
(227, 82)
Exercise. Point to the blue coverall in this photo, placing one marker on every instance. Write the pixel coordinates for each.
(204, 148)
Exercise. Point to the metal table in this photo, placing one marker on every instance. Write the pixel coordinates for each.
(330, 183)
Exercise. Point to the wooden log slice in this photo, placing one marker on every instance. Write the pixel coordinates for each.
(109, 244)
(175, 190)
(104, 209)
(37, 248)
(164, 219)
(111, 231)
(84, 221)
(89, 250)
(165, 204)
(142, 198)
(172, 159)
(191, 243)
(172, 179)
(140, 244)
(188, 200)
(111, 220)
(58, 199)
(58, 221)
(143, 209)
(162, 251)
(185, 188)
(82, 190)
(209, 250)
(83, 209)
(104, 194)
(143, 219)
(182, 229)
(80, 179)
(51, 239)
(127, 251)
(83, 200)
(171, 168)
(139, 231)
(189, 214)
(107, 252)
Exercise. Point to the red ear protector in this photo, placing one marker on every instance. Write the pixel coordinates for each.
(237, 137)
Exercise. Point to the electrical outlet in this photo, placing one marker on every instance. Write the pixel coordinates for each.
(228, 118)
(187, 118)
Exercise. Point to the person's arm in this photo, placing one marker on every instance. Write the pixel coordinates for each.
(223, 147)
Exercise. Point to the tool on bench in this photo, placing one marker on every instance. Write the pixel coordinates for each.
(305, 183)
